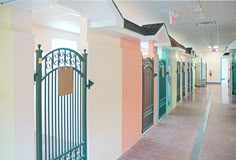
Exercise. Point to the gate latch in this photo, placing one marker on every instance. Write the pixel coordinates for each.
(90, 84)
(35, 77)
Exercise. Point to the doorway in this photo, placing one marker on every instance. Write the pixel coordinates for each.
(148, 94)
(162, 88)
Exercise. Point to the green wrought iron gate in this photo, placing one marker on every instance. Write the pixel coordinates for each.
(234, 77)
(148, 94)
(183, 79)
(188, 72)
(162, 88)
(191, 73)
(61, 86)
(178, 81)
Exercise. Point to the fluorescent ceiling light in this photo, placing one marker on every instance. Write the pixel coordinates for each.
(201, 16)
(209, 47)
(215, 47)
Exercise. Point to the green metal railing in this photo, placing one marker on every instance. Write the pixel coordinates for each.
(61, 119)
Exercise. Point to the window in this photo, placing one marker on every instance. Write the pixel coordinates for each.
(144, 48)
(63, 43)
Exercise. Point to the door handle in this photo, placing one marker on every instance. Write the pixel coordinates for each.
(90, 84)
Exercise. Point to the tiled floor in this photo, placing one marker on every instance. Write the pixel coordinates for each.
(173, 138)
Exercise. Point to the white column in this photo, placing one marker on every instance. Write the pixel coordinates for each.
(16, 85)
(104, 103)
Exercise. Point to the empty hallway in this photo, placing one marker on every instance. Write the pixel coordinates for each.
(117, 80)
(175, 137)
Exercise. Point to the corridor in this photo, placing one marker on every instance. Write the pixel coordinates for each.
(117, 80)
(181, 135)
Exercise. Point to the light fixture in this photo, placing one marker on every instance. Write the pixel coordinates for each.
(216, 47)
(206, 24)
(209, 47)
(201, 16)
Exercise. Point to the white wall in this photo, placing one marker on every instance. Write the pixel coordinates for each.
(16, 86)
(213, 63)
(44, 35)
(24, 62)
(105, 97)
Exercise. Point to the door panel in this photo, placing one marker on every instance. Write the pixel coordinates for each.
(162, 88)
(148, 94)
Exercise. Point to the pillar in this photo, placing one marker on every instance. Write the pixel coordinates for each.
(16, 85)
(104, 100)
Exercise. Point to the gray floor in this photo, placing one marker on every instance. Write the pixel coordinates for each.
(175, 136)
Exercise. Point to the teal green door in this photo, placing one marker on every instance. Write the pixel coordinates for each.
(178, 82)
(183, 79)
(188, 72)
(61, 86)
(234, 77)
(191, 73)
(162, 88)
(148, 94)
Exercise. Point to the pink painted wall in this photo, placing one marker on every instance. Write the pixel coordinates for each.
(131, 92)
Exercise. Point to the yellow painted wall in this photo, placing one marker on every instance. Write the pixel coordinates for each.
(105, 97)
(174, 78)
(16, 86)
(7, 96)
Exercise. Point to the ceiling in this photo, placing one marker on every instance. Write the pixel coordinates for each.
(186, 29)
(57, 17)
(49, 13)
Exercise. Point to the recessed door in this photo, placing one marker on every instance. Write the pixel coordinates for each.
(162, 88)
(148, 94)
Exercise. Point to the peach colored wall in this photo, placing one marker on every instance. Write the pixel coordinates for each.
(131, 93)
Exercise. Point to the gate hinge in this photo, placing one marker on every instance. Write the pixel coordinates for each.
(35, 76)
(90, 84)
